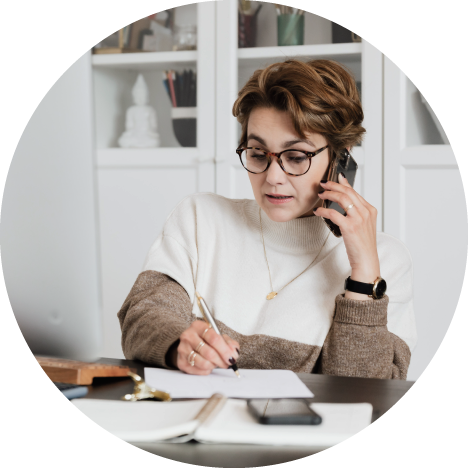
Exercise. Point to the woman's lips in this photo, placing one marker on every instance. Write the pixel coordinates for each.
(279, 199)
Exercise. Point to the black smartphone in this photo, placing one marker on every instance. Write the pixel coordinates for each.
(283, 411)
(341, 162)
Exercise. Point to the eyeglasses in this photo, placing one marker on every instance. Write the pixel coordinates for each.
(293, 162)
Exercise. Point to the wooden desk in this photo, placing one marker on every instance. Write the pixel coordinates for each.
(382, 394)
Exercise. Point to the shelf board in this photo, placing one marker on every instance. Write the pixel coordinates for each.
(340, 52)
(114, 158)
(145, 60)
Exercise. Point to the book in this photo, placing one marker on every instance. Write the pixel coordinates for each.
(221, 420)
(78, 372)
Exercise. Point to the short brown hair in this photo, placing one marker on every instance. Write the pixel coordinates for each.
(320, 95)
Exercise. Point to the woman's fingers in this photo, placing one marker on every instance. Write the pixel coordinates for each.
(344, 181)
(332, 215)
(345, 190)
(341, 198)
(233, 344)
(212, 350)
(192, 339)
(201, 366)
(218, 343)
(347, 196)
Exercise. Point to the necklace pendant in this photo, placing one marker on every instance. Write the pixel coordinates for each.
(271, 295)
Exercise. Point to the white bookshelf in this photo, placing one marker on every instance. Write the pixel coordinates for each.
(113, 79)
(139, 187)
(277, 53)
(145, 60)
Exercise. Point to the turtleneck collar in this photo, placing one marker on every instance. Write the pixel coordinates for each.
(300, 235)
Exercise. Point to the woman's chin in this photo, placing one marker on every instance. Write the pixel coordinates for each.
(280, 214)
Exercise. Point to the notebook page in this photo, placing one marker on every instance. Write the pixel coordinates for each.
(142, 421)
(234, 424)
(254, 383)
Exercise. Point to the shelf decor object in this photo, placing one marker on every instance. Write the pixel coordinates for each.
(290, 25)
(184, 123)
(185, 37)
(182, 91)
(140, 122)
(123, 43)
(247, 24)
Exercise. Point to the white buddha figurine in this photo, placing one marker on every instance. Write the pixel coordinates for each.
(141, 122)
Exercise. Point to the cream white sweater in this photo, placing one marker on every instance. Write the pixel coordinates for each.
(213, 245)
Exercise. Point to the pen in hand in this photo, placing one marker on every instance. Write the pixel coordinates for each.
(210, 320)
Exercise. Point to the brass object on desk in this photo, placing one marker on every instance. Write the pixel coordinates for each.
(142, 391)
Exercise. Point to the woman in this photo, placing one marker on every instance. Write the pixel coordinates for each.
(268, 268)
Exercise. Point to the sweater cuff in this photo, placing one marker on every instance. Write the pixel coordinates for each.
(160, 346)
(370, 313)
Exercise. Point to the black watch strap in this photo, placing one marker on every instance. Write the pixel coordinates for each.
(358, 287)
(376, 290)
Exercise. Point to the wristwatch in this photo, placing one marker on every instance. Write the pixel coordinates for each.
(375, 290)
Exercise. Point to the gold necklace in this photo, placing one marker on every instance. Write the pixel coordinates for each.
(275, 293)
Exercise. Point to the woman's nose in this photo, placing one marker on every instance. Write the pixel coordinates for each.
(275, 175)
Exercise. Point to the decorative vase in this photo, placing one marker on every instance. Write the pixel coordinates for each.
(184, 124)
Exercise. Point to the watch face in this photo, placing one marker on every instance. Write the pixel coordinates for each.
(380, 289)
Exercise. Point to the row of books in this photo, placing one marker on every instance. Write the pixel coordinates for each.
(181, 87)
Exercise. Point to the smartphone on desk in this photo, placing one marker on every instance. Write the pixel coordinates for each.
(341, 162)
(283, 411)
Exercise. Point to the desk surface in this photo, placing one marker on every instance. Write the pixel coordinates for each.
(382, 394)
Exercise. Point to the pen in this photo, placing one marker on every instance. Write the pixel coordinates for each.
(210, 320)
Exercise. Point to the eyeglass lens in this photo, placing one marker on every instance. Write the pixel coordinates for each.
(294, 162)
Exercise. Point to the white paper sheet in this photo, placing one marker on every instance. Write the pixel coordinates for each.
(253, 383)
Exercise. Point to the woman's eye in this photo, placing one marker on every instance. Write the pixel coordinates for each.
(296, 159)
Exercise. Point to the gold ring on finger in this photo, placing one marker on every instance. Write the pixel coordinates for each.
(348, 207)
(203, 335)
(191, 358)
(200, 346)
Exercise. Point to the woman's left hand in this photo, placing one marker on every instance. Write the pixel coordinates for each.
(358, 228)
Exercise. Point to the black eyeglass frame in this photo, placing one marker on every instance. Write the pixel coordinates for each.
(269, 154)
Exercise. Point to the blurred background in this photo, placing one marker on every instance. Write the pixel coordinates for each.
(144, 119)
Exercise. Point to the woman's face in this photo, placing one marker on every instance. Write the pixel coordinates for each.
(273, 130)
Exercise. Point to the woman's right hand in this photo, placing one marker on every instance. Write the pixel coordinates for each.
(217, 350)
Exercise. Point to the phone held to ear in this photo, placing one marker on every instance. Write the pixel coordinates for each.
(283, 411)
(342, 162)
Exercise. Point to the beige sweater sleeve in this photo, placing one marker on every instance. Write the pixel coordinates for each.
(155, 313)
(360, 345)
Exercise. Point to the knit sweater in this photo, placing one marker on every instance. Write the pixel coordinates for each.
(213, 245)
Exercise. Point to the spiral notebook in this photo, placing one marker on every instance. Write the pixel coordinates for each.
(221, 420)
